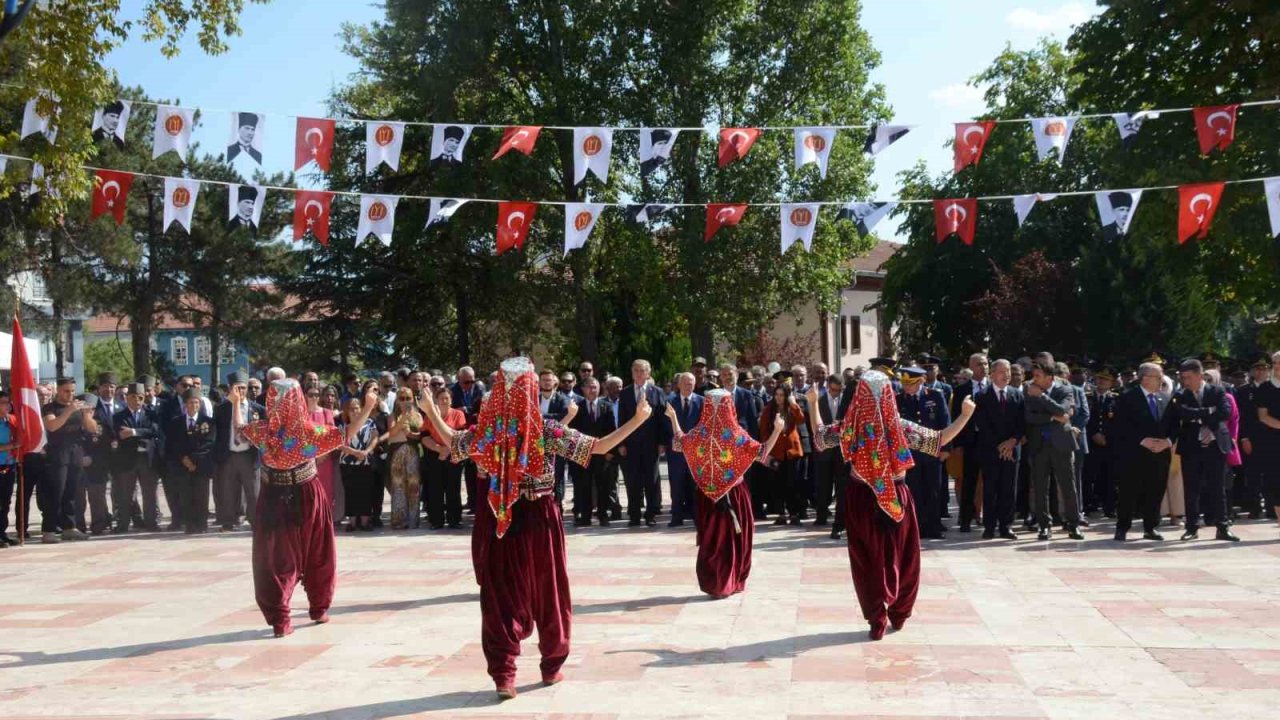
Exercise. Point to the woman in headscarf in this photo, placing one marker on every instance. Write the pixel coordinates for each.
(884, 536)
(517, 545)
(293, 522)
(719, 452)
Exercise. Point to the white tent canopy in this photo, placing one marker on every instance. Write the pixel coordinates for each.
(6, 352)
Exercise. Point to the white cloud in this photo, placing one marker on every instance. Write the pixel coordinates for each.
(1049, 21)
(957, 95)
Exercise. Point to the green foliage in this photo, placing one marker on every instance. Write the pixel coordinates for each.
(108, 355)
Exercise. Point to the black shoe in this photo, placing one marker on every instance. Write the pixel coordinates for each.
(1109, 515)
(458, 525)
(1044, 534)
(1084, 522)
(1074, 534)
(604, 522)
(633, 522)
(650, 522)
(1008, 535)
(1152, 535)
(1120, 535)
(964, 527)
(988, 534)
(835, 534)
(1255, 515)
(676, 523)
(795, 519)
(579, 522)
(943, 528)
(1225, 534)
(780, 520)
(173, 527)
(1191, 535)
(820, 522)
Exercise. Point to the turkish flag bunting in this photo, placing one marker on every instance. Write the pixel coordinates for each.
(735, 143)
(518, 137)
(1196, 206)
(314, 141)
(110, 193)
(971, 138)
(311, 214)
(720, 215)
(25, 401)
(1215, 126)
(514, 219)
(956, 216)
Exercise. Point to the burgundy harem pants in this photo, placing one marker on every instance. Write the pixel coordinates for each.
(524, 583)
(884, 555)
(724, 556)
(293, 540)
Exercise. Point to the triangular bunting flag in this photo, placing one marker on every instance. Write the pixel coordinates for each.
(35, 121)
(173, 131)
(1196, 207)
(441, 210)
(514, 219)
(179, 201)
(1022, 204)
(735, 143)
(382, 143)
(245, 207)
(1215, 127)
(519, 138)
(591, 150)
(1130, 123)
(579, 219)
(655, 148)
(313, 142)
(1052, 135)
(957, 216)
(865, 215)
(110, 194)
(311, 214)
(971, 140)
(1271, 186)
(1115, 209)
(110, 121)
(813, 145)
(721, 214)
(798, 221)
(246, 136)
(377, 217)
(882, 136)
(645, 214)
(448, 142)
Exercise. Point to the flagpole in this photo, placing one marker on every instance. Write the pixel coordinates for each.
(22, 489)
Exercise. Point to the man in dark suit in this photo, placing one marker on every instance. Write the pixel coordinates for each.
(236, 459)
(1001, 429)
(101, 458)
(110, 127)
(1141, 438)
(613, 461)
(747, 405)
(554, 405)
(1249, 494)
(927, 407)
(138, 438)
(1052, 443)
(1201, 411)
(467, 393)
(1099, 464)
(246, 202)
(246, 130)
(688, 411)
(590, 484)
(967, 440)
(189, 441)
(641, 448)
(829, 471)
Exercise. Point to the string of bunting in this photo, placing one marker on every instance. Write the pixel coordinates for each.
(1197, 205)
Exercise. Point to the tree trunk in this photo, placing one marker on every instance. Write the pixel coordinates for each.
(703, 340)
(215, 340)
(59, 348)
(464, 327)
(140, 331)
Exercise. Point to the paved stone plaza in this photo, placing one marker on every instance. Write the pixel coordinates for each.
(164, 626)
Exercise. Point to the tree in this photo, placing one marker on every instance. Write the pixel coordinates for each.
(108, 355)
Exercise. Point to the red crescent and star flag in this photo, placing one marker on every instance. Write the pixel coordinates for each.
(1196, 206)
(955, 216)
(26, 403)
(110, 194)
(313, 142)
(971, 140)
(514, 219)
(735, 143)
(311, 214)
(519, 138)
(1215, 127)
(721, 214)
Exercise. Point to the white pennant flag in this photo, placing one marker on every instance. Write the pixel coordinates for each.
(655, 147)
(579, 219)
(377, 217)
(591, 150)
(382, 143)
(1022, 204)
(1130, 123)
(33, 122)
(441, 210)
(37, 179)
(865, 215)
(173, 131)
(4, 164)
(882, 136)
(798, 221)
(180, 201)
(245, 203)
(1271, 186)
(110, 121)
(246, 136)
(447, 143)
(1115, 209)
(813, 145)
(1052, 135)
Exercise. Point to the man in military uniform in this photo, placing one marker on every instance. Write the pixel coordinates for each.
(1099, 477)
(927, 407)
(932, 365)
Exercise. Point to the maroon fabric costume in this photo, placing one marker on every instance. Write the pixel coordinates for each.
(724, 555)
(293, 521)
(517, 549)
(884, 537)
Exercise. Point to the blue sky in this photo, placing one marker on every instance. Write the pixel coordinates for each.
(288, 59)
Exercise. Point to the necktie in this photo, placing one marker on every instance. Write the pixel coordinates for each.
(1001, 398)
(593, 411)
(191, 424)
(1151, 402)
(684, 406)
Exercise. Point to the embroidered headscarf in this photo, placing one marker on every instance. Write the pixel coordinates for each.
(718, 451)
(508, 437)
(288, 437)
(872, 440)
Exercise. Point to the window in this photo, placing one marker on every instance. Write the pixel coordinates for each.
(855, 333)
(38, 291)
(204, 351)
(178, 349)
(844, 335)
(227, 353)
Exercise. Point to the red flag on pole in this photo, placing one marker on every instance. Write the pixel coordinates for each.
(314, 141)
(1196, 206)
(26, 403)
(110, 194)
(955, 217)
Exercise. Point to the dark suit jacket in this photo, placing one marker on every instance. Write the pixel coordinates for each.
(149, 437)
(468, 402)
(644, 442)
(197, 445)
(997, 424)
(233, 151)
(1042, 430)
(1133, 423)
(101, 451)
(222, 418)
(686, 419)
(557, 408)
(603, 423)
(747, 405)
(1192, 415)
(806, 440)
